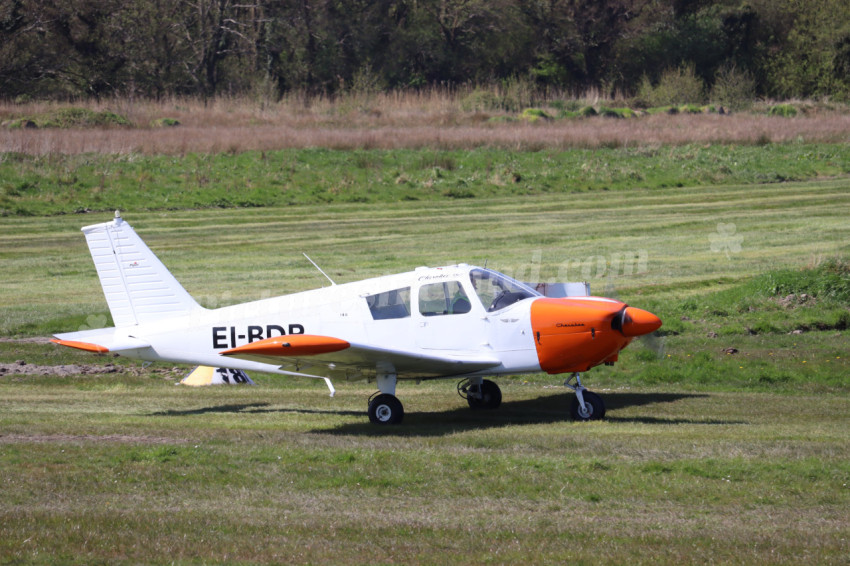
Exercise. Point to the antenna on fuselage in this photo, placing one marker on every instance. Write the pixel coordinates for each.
(319, 268)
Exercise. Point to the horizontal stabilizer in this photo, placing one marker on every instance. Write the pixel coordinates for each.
(88, 347)
(100, 341)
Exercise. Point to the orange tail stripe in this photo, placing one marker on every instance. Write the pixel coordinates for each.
(81, 345)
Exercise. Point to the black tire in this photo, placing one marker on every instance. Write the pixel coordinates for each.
(491, 397)
(594, 404)
(385, 409)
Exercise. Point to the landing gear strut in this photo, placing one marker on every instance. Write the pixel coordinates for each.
(587, 405)
(384, 406)
(480, 393)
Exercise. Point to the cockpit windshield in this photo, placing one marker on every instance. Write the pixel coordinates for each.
(498, 291)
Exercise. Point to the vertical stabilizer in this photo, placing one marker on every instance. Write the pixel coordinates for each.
(137, 286)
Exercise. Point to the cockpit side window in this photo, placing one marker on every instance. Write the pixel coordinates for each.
(498, 291)
(390, 304)
(447, 297)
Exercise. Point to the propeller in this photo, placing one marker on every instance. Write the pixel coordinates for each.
(632, 321)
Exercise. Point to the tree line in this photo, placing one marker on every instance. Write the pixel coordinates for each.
(158, 48)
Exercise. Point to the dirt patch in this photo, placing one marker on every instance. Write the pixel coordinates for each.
(20, 367)
(793, 301)
(31, 340)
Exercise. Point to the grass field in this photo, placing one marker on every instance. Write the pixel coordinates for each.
(705, 457)
(108, 470)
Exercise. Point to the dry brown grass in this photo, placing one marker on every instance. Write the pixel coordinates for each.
(392, 120)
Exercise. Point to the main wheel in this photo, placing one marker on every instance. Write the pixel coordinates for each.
(594, 407)
(491, 396)
(385, 409)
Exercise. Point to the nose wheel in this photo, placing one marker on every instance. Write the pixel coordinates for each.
(593, 409)
(586, 405)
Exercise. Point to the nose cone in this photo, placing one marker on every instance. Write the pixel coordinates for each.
(638, 322)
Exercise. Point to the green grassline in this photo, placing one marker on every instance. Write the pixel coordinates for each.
(57, 184)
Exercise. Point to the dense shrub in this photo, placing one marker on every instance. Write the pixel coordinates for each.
(480, 100)
(783, 110)
(676, 86)
(733, 88)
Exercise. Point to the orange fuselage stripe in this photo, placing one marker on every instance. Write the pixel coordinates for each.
(291, 345)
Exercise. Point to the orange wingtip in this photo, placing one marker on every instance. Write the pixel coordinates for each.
(292, 345)
(81, 346)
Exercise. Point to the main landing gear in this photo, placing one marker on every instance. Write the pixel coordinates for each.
(384, 406)
(385, 409)
(586, 405)
(480, 393)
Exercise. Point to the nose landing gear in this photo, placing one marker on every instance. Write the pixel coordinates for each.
(587, 405)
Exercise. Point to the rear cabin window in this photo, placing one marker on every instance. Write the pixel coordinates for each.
(391, 304)
(447, 297)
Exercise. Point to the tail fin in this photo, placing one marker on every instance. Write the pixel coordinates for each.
(137, 286)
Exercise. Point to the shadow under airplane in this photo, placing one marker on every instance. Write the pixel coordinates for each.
(542, 410)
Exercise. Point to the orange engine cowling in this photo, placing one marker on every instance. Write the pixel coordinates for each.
(574, 335)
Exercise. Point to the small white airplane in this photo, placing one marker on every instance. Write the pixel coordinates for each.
(457, 321)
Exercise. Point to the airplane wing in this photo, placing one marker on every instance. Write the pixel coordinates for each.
(325, 354)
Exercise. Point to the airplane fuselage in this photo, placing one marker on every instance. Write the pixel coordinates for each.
(454, 321)
(532, 334)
